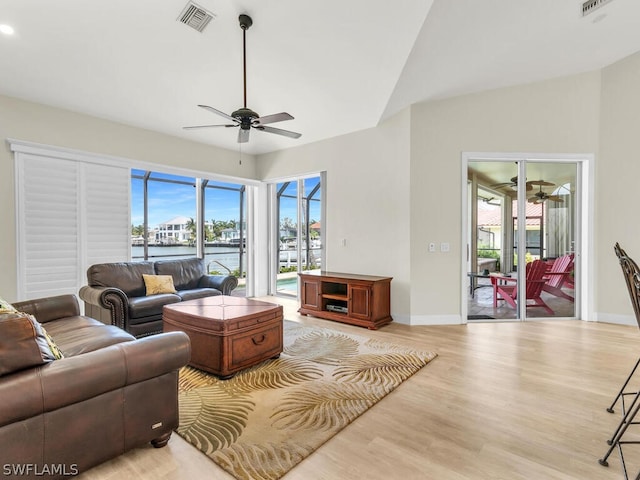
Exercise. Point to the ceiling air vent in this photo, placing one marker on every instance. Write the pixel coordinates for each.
(195, 16)
(592, 5)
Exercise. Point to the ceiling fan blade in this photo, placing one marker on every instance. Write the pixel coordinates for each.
(541, 183)
(276, 117)
(208, 126)
(500, 185)
(279, 131)
(555, 198)
(243, 135)
(218, 112)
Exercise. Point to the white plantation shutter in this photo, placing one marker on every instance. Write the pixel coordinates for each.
(106, 210)
(48, 227)
(71, 212)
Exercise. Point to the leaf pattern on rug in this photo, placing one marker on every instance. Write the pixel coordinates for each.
(211, 418)
(277, 373)
(385, 370)
(324, 405)
(375, 344)
(261, 462)
(261, 423)
(190, 378)
(323, 346)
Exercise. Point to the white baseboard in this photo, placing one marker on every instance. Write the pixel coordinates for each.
(401, 318)
(415, 320)
(629, 320)
(435, 320)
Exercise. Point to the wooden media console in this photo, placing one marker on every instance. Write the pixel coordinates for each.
(362, 300)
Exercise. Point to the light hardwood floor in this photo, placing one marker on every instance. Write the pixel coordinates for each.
(501, 401)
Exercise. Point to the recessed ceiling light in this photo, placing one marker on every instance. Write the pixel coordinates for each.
(6, 29)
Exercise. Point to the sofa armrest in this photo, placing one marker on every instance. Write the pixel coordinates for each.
(74, 379)
(50, 308)
(110, 298)
(225, 283)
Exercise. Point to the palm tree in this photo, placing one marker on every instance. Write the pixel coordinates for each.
(192, 226)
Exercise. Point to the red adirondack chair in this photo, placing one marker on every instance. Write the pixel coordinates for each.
(506, 288)
(560, 275)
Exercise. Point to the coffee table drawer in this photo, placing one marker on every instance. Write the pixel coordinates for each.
(260, 343)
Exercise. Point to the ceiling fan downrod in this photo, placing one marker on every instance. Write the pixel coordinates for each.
(245, 23)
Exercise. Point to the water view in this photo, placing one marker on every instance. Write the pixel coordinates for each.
(227, 256)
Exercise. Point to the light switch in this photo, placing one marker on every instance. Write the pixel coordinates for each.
(444, 247)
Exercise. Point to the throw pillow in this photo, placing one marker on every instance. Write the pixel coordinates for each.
(23, 343)
(6, 306)
(53, 346)
(156, 284)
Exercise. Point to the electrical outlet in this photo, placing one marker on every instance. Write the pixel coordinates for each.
(432, 247)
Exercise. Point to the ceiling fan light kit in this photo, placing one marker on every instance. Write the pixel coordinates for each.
(244, 117)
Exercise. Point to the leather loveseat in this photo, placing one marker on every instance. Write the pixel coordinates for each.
(108, 394)
(116, 293)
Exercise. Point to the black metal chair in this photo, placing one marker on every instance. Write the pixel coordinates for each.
(631, 273)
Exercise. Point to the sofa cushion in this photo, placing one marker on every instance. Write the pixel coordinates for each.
(23, 343)
(127, 276)
(198, 293)
(142, 307)
(79, 334)
(186, 272)
(156, 284)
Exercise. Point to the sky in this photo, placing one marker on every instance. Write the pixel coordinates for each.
(169, 200)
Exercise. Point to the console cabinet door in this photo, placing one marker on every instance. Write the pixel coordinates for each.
(310, 293)
(360, 301)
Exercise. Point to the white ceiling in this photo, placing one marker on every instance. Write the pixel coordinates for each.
(336, 66)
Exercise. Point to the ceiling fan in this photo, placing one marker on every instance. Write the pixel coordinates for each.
(512, 183)
(541, 196)
(244, 117)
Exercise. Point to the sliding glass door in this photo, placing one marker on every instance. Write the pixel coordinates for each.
(523, 236)
(299, 242)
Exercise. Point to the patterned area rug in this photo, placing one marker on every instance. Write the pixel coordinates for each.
(267, 419)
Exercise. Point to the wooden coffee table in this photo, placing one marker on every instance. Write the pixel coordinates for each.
(227, 333)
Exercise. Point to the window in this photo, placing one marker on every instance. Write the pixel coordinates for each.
(168, 210)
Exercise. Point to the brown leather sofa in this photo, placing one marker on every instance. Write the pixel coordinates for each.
(116, 292)
(110, 392)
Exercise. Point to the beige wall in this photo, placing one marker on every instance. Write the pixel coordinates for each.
(389, 203)
(367, 200)
(556, 116)
(617, 180)
(41, 124)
